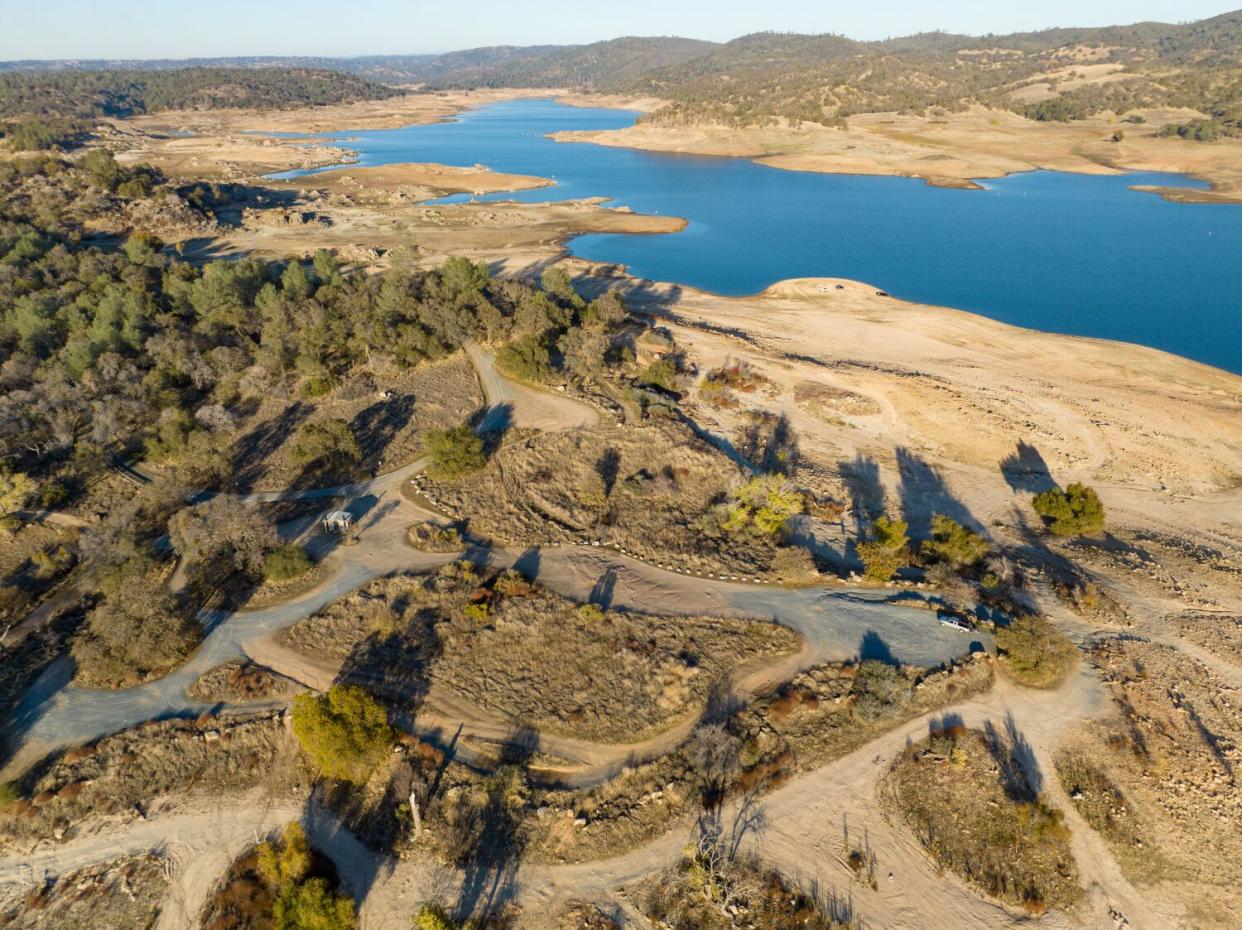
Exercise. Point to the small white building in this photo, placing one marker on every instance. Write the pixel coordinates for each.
(338, 521)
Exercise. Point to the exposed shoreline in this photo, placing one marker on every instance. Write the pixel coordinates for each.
(965, 148)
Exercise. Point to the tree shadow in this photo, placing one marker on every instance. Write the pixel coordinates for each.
(872, 648)
(491, 424)
(376, 426)
(607, 468)
(1024, 469)
(722, 703)
(602, 593)
(768, 442)
(1015, 757)
(862, 481)
(251, 452)
(492, 861)
(527, 564)
(924, 493)
(326, 830)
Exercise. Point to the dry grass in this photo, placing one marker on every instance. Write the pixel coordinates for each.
(974, 810)
(388, 408)
(647, 489)
(537, 659)
(807, 725)
(33, 559)
(270, 593)
(150, 764)
(1159, 781)
(240, 680)
(690, 897)
(831, 710)
(123, 893)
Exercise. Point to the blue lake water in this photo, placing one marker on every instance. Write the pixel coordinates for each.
(1079, 254)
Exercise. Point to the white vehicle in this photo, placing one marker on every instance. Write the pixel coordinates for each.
(955, 622)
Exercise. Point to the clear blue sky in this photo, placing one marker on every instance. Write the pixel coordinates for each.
(189, 28)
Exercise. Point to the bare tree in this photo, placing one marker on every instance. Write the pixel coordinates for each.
(714, 753)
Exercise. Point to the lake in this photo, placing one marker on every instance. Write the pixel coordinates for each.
(1068, 253)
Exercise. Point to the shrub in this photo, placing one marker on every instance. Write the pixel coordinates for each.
(10, 794)
(435, 538)
(313, 905)
(1034, 652)
(16, 489)
(592, 613)
(662, 373)
(764, 505)
(345, 731)
(794, 564)
(454, 453)
(878, 689)
(1076, 511)
(476, 611)
(432, 917)
(287, 860)
(286, 563)
(954, 544)
(886, 551)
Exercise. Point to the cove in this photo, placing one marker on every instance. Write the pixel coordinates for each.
(1078, 254)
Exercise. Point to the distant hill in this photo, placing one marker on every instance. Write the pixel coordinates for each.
(765, 78)
(73, 94)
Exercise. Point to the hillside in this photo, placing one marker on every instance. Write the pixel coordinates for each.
(767, 78)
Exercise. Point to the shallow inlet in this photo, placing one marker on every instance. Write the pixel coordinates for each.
(1068, 253)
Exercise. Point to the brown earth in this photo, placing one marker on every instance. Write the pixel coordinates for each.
(1159, 782)
(125, 892)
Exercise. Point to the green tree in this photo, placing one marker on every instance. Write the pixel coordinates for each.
(526, 358)
(605, 311)
(954, 544)
(1076, 511)
(764, 505)
(143, 248)
(295, 282)
(886, 551)
(461, 277)
(556, 284)
(454, 453)
(329, 442)
(313, 905)
(344, 731)
(102, 168)
(582, 350)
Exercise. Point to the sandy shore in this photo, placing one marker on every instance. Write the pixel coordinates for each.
(952, 150)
